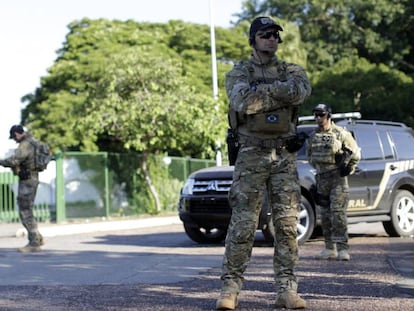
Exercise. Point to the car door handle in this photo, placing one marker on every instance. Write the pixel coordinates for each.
(393, 167)
(357, 170)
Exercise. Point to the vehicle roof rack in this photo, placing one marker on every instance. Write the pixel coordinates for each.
(381, 123)
(334, 116)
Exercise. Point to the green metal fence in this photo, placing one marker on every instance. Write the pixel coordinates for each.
(8, 211)
(180, 168)
(8, 200)
(90, 185)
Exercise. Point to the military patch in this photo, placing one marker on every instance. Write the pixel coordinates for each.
(276, 123)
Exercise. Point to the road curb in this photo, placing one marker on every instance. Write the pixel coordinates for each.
(68, 229)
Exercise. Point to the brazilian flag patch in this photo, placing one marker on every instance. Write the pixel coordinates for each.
(272, 118)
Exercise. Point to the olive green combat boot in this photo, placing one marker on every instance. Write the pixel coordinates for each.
(290, 300)
(35, 242)
(343, 255)
(328, 254)
(29, 248)
(227, 301)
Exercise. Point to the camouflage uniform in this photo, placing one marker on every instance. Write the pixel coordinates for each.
(264, 100)
(22, 164)
(332, 189)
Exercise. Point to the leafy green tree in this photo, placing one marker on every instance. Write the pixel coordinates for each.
(354, 84)
(55, 108)
(146, 108)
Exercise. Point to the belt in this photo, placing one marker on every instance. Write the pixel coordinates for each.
(270, 143)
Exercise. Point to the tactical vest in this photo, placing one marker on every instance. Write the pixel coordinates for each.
(278, 121)
(324, 146)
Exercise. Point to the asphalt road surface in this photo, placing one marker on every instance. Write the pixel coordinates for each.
(160, 268)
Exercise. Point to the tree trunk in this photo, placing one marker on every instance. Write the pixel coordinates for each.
(153, 191)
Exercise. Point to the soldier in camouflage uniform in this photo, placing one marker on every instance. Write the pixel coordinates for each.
(22, 164)
(334, 153)
(265, 94)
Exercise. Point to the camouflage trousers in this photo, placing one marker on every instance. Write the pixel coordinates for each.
(333, 193)
(256, 171)
(25, 199)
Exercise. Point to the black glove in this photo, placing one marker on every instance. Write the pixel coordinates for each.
(345, 171)
(295, 143)
(339, 158)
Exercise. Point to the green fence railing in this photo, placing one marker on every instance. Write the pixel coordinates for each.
(100, 184)
(8, 200)
(8, 211)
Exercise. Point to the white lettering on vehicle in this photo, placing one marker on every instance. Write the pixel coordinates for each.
(356, 203)
(391, 168)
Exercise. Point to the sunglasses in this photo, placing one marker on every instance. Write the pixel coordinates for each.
(268, 34)
(320, 114)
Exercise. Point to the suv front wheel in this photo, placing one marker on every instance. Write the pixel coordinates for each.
(402, 215)
(205, 236)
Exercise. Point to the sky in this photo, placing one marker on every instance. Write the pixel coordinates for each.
(31, 31)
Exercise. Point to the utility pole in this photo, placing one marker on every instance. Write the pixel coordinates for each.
(213, 51)
(214, 73)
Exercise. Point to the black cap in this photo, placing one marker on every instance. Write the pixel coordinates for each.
(16, 129)
(261, 23)
(322, 108)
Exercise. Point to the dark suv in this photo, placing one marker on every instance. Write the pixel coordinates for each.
(381, 189)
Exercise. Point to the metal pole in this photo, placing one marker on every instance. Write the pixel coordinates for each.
(213, 51)
(107, 206)
(60, 189)
(214, 71)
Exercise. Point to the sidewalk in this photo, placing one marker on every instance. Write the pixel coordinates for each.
(50, 229)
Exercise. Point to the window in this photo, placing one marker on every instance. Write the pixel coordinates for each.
(404, 144)
(370, 145)
(386, 144)
(302, 152)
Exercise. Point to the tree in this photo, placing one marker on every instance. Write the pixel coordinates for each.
(354, 84)
(146, 108)
(55, 107)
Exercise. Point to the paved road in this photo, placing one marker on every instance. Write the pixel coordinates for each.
(134, 256)
(150, 267)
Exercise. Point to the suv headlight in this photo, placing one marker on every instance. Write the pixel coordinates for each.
(188, 186)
